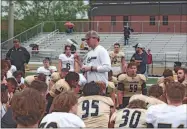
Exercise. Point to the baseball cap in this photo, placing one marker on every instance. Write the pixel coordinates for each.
(135, 46)
(138, 45)
(90, 34)
(15, 41)
(177, 64)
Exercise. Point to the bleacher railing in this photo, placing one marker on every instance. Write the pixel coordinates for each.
(24, 36)
(46, 38)
(117, 26)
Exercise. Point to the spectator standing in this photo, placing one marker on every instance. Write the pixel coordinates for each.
(98, 62)
(140, 57)
(126, 35)
(18, 56)
(149, 61)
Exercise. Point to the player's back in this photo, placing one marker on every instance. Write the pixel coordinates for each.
(147, 99)
(129, 118)
(60, 120)
(95, 110)
(167, 116)
(60, 85)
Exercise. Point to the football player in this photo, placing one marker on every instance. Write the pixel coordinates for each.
(177, 66)
(71, 81)
(181, 75)
(28, 108)
(167, 74)
(154, 95)
(64, 110)
(171, 115)
(68, 60)
(93, 108)
(47, 69)
(182, 78)
(117, 60)
(130, 84)
(133, 116)
(57, 76)
(39, 86)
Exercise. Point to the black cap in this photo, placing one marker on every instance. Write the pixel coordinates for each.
(135, 46)
(177, 64)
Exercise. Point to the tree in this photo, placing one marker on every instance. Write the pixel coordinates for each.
(33, 12)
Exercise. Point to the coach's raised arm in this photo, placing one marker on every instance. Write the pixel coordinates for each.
(98, 63)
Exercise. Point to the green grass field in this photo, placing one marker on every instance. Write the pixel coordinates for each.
(152, 80)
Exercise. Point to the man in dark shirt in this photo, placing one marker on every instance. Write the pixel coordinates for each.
(18, 55)
(7, 120)
(126, 35)
(140, 57)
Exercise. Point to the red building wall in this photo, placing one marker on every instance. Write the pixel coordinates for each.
(176, 23)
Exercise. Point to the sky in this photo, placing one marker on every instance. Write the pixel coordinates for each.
(4, 3)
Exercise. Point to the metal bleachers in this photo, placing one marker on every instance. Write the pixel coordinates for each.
(170, 46)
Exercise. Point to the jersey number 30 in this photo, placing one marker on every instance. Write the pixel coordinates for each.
(86, 107)
(135, 117)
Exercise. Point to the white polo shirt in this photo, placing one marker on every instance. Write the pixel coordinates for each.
(99, 58)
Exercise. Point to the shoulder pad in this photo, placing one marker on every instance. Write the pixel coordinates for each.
(121, 54)
(111, 85)
(108, 101)
(111, 52)
(114, 79)
(29, 79)
(62, 84)
(55, 76)
(138, 96)
(142, 77)
(122, 77)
